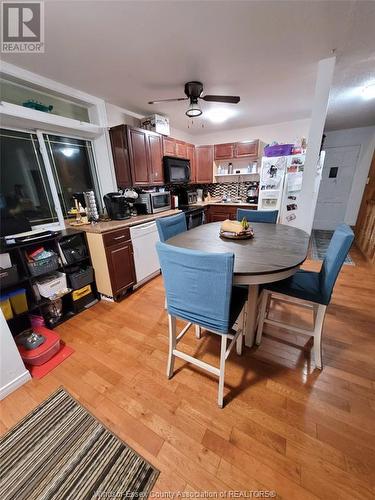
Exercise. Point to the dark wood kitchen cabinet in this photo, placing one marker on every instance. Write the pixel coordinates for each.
(246, 149)
(181, 149)
(190, 150)
(204, 157)
(155, 158)
(218, 213)
(169, 146)
(231, 150)
(137, 156)
(224, 151)
(113, 262)
(139, 163)
(120, 155)
(121, 266)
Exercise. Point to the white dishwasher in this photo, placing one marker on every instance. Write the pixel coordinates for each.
(146, 260)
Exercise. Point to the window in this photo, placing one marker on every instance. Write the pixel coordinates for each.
(73, 167)
(25, 195)
(28, 184)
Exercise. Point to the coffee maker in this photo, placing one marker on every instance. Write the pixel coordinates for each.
(252, 193)
(117, 206)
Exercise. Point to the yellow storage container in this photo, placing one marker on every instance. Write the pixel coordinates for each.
(81, 292)
(18, 300)
(6, 307)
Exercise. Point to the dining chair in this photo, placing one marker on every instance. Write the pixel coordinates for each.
(309, 289)
(199, 289)
(171, 226)
(257, 215)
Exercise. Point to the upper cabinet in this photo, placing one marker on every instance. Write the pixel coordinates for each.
(137, 156)
(120, 156)
(245, 149)
(155, 148)
(204, 157)
(190, 150)
(224, 151)
(169, 146)
(139, 161)
(174, 147)
(181, 149)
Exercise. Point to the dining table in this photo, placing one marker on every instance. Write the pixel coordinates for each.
(275, 252)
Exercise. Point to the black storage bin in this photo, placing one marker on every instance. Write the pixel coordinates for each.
(9, 276)
(83, 303)
(81, 278)
(43, 266)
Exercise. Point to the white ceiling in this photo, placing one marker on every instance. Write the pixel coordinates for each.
(267, 52)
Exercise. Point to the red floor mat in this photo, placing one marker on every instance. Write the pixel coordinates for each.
(42, 370)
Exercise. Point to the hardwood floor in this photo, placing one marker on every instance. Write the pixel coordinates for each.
(286, 427)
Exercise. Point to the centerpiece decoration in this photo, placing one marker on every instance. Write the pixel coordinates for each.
(236, 230)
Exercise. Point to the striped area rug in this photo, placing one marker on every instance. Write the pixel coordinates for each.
(61, 451)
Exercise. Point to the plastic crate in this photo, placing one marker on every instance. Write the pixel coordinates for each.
(9, 276)
(278, 150)
(51, 285)
(81, 278)
(43, 266)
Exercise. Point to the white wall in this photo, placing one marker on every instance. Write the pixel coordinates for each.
(117, 116)
(285, 132)
(365, 138)
(13, 373)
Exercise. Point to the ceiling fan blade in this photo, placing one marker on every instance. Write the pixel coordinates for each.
(169, 100)
(231, 99)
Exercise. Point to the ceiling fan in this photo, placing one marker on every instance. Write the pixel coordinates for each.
(193, 91)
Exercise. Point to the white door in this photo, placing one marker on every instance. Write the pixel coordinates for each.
(337, 177)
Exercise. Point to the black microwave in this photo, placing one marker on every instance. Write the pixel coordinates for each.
(176, 170)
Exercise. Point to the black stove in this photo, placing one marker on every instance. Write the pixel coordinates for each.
(194, 215)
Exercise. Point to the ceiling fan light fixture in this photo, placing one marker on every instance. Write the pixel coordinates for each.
(193, 110)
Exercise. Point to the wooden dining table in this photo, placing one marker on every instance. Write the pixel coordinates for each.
(274, 253)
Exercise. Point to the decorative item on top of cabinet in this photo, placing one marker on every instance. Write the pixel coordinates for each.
(224, 151)
(120, 156)
(204, 156)
(246, 149)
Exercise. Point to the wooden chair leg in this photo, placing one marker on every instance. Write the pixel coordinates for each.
(241, 324)
(262, 316)
(197, 331)
(172, 345)
(220, 397)
(318, 327)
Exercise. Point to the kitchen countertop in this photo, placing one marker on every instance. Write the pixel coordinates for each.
(111, 225)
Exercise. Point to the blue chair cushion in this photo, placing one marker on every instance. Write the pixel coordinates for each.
(303, 285)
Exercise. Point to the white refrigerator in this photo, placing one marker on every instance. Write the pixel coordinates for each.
(281, 183)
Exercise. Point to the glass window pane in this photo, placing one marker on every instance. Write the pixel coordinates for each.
(73, 166)
(25, 196)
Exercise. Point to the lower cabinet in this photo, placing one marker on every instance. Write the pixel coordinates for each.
(112, 259)
(218, 213)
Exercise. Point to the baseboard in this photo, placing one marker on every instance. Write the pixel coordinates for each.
(14, 384)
